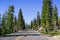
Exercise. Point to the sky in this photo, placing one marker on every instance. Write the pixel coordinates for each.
(29, 7)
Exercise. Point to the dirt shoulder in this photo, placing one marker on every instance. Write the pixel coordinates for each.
(57, 37)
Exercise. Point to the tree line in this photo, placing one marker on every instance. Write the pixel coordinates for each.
(10, 23)
(48, 21)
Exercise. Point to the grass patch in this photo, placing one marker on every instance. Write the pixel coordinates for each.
(53, 33)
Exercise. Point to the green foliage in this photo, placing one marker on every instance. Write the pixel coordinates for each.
(10, 23)
(31, 24)
(21, 22)
(15, 24)
(3, 28)
(53, 33)
(38, 20)
(55, 18)
(0, 31)
(9, 26)
(48, 20)
(59, 23)
(34, 24)
(0, 25)
(27, 26)
(46, 15)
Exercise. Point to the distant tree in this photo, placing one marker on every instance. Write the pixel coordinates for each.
(0, 24)
(21, 22)
(31, 24)
(38, 20)
(58, 23)
(15, 24)
(34, 24)
(9, 26)
(55, 17)
(0, 31)
(27, 26)
(3, 30)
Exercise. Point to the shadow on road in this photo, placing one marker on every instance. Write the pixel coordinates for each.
(22, 35)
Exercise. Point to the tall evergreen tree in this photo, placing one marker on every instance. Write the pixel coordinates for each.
(46, 15)
(34, 24)
(31, 24)
(55, 17)
(27, 26)
(0, 24)
(9, 26)
(3, 24)
(58, 23)
(15, 24)
(38, 20)
(3, 31)
(21, 22)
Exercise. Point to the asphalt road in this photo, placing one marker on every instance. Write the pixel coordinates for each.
(28, 35)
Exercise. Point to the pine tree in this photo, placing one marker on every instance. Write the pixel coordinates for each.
(21, 22)
(9, 26)
(0, 31)
(0, 24)
(27, 26)
(47, 15)
(15, 24)
(31, 24)
(3, 28)
(55, 17)
(38, 20)
(34, 24)
(58, 23)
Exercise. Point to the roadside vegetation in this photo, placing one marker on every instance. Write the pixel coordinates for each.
(47, 23)
(9, 23)
(53, 33)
